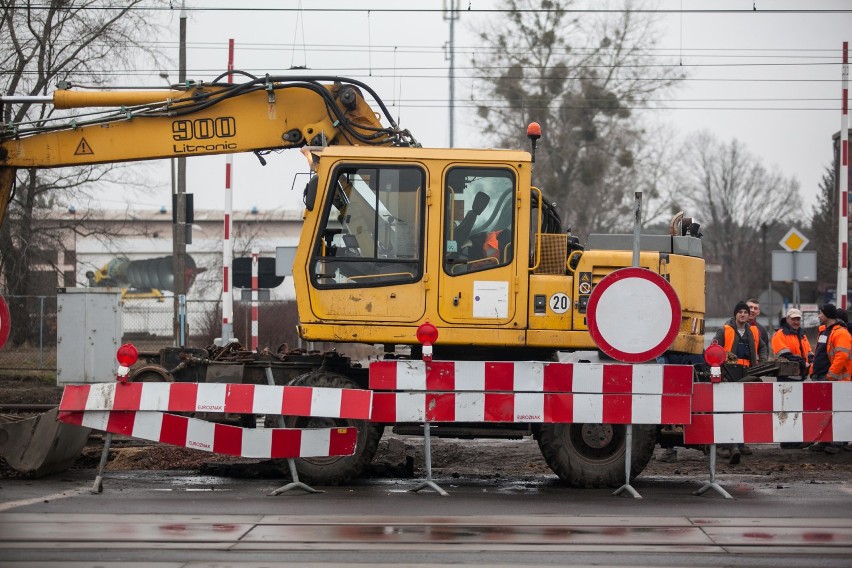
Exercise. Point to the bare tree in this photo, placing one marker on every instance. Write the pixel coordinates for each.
(658, 175)
(41, 44)
(739, 199)
(824, 230)
(582, 79)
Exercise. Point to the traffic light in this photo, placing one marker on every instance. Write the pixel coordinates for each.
(266, 277)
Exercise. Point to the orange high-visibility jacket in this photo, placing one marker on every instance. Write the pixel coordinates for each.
(491, 246)
(731, 336)
(790, 343)
(838, 346)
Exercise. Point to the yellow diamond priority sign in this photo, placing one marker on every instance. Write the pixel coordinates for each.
(794, 241)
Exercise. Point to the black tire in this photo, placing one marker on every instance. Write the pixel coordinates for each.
(334, 470)
(592, 455)
(151, 374)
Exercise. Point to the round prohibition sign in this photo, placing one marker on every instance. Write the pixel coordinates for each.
(5, 322)
(633, 315)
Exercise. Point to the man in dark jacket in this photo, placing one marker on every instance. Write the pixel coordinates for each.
(741, 340)
(754, 311)
(744, 346)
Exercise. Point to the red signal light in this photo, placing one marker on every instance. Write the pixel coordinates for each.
(715, 354)
(427, 334)
(127, 355)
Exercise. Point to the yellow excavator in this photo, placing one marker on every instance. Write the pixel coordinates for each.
(395, 235)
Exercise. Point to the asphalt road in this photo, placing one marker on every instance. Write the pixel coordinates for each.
(180, 519)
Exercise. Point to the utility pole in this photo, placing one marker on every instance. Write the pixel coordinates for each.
(451, 14)
(179, 204)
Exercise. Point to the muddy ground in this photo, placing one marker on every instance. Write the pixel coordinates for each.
(402, 457)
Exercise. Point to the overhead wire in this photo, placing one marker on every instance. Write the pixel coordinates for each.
(198, 71)
(470, 10)
(797, 58)
(439, 49)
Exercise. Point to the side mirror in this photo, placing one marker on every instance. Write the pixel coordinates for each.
(310, 194)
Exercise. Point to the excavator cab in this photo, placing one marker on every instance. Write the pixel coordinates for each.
(364, 251)
(479, 219)
(398, 236)
(369, 232)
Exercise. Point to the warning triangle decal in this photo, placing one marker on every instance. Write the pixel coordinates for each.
(83, 148)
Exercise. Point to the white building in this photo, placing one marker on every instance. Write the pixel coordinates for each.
(105, 236)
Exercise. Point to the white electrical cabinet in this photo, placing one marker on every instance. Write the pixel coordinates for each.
(88, 333)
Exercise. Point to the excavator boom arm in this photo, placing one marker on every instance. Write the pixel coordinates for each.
(201, 119)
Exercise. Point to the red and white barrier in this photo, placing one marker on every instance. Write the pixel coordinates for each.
(530, 407)
(260, 443)
(530, 392)
(219, 397)
(530, 376)
(770, 412)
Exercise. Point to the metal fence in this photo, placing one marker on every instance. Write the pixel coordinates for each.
(147, 323)
(32, 343)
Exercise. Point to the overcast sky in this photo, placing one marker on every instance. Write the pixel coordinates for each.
(772, 81)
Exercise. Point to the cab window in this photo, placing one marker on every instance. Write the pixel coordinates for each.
(371, 232)
(479, 219)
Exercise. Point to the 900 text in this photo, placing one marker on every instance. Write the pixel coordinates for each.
(204, 128)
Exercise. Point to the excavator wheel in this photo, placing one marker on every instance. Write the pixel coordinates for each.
(592, 455)
(333, 470)
(151, 374)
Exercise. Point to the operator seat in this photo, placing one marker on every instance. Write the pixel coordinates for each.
(462, 231)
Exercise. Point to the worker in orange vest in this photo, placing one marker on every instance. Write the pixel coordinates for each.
(791, 343)
(740, 339)
(742, 342)
(832, 360)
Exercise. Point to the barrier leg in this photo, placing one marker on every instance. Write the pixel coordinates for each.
(291, 463)
(98, 486)
(295, 484)
(427, 455)
(712, 483)
(628, 464)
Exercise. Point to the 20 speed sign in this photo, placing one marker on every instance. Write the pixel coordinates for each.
(559, 303)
